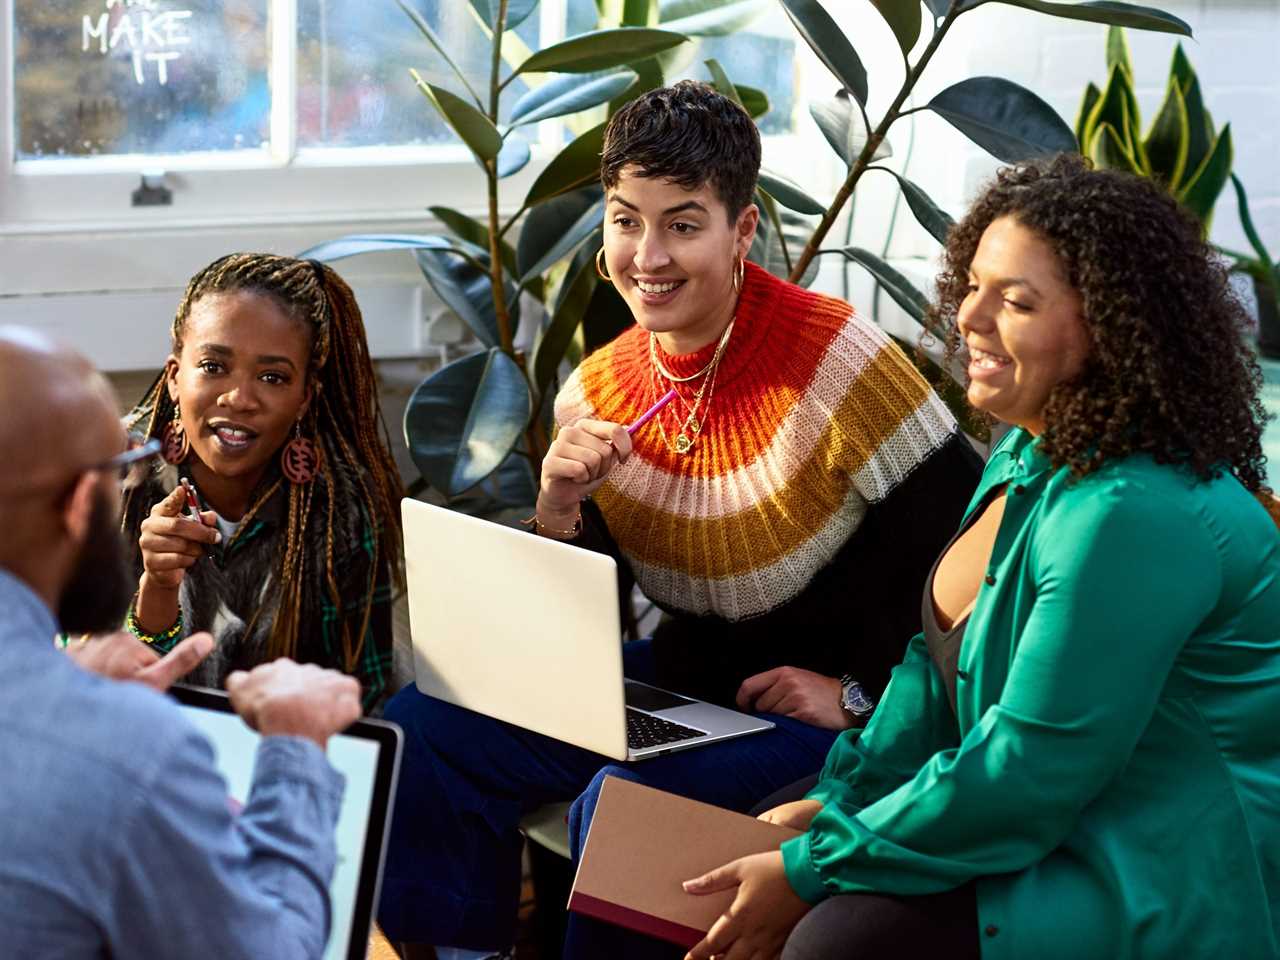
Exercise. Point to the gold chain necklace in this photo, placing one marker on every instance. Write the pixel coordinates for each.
(690, 428)
(657, 361)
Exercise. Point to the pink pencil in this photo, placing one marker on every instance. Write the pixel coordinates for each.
(653, 411)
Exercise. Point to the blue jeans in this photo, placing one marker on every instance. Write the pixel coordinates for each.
(453, 855)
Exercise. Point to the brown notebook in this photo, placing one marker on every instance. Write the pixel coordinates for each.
(643, 843)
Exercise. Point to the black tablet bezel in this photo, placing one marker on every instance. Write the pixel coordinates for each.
(389, 737)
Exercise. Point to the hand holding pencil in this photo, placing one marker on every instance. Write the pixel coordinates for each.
(174, 536)
(579, 459)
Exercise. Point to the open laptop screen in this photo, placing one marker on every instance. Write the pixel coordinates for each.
(367, 754)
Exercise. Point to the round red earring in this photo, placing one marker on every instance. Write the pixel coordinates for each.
(176, 445)
(299, 460)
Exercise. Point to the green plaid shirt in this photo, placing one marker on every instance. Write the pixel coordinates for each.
(223, 592)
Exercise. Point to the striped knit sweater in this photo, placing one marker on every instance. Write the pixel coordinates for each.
(815, 417)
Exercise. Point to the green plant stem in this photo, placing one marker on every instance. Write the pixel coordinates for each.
(506, 335)
(506, 227)
(868, 151)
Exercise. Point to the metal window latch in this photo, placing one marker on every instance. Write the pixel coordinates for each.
(152, 192)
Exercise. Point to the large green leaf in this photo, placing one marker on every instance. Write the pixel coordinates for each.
(1090, 100)
(1113, 108)
(357, 243)
(782, 231)
(514, 156)
(903, 17)
(554, 229)
(570, 94)
(472, 126)
(830, 44)
(755, 102)
(1099, 11)
(1008, 121)
(929, 215)
(709, 18)
(464, 419)
(468, 290)
(1109, 152)
(435, 41)
(769, 248)
(842, 124)
(1199, 125)
(1203, 185)
(575, 165)
(600, 50)
(517, 11)
(1118, 50)
(1250, 231)
(474, 232)
(789, 195)
(1170, 139)
(902, 290)
(571, 307)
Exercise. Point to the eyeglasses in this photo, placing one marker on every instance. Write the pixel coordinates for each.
(134, 464)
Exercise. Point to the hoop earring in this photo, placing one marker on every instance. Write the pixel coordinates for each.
(739, 274)
(600, 269)
(176, 445)
(299, 461)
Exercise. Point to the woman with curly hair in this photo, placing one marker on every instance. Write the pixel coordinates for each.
(1079, 756)
(268, 407)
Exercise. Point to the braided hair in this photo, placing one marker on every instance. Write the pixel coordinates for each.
(344, 416)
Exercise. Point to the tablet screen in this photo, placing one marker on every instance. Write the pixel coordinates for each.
(356, 758)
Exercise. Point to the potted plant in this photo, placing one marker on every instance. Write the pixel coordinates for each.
(1183, 150)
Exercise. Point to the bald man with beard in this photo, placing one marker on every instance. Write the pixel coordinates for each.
(116, 838)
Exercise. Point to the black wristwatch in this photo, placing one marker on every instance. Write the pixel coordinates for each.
(855, 701)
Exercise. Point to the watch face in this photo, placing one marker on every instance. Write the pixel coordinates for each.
(855, 700)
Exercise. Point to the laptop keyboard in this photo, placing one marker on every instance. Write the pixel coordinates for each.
(645, 730)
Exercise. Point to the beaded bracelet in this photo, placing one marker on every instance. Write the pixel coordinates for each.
(569, 534)
(131, 624)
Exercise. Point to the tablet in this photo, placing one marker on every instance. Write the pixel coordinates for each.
(368, 754)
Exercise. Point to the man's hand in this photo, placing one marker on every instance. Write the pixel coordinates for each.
(283, 698)
(797, 814)
(762, 915)
(122, 656)
(797, 693)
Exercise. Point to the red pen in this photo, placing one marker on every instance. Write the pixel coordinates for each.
(193, 505)
(653, 411)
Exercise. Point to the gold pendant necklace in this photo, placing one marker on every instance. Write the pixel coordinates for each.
(688, 429)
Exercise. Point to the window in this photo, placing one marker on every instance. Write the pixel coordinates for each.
(275, 123)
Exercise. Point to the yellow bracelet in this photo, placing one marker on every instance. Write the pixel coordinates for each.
(131, 624)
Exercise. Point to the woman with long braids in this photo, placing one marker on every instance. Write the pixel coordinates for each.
(268, 408)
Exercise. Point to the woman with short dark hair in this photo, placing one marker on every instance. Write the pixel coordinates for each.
(782, 510)
(1079, 756)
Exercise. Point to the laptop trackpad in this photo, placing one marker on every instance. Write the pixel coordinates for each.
(644, 697)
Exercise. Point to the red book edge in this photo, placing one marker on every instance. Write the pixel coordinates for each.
(645, 923)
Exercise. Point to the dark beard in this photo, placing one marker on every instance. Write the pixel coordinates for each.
(97, 595)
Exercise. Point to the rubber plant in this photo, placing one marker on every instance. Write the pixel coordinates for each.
(489, 409)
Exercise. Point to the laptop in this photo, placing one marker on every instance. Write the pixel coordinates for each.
(368, 754)
(526, 629)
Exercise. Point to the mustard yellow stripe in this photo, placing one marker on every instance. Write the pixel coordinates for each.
(886, 392)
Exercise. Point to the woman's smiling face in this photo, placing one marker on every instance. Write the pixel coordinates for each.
(672, 253)
(240, 381)
(1022, 325)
